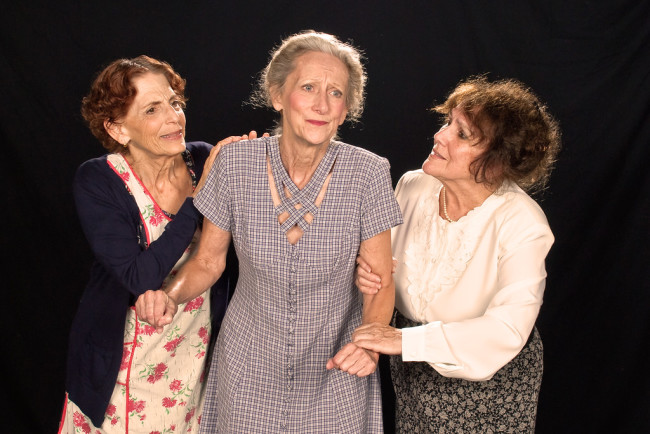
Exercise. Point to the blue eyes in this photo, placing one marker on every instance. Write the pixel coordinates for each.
(334, 93)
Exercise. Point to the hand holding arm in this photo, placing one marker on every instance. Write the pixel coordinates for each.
(367, 281)
(377, 308)
(378, 337)
(197, 275)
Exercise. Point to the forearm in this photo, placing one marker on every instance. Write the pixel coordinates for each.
(195, 277)
(378, 308)
(110, 220)
(377, 254)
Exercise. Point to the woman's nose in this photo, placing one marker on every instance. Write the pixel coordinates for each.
(321, 104)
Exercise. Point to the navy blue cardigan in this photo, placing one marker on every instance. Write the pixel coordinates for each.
(123, 269)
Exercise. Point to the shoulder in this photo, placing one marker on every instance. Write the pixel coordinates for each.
(92, 170)
(244, 149)
(517, 203)
(360, 155)
(415, 181)
(519, 217)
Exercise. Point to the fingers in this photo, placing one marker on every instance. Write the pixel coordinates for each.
(366, 281)
(377, 337)
(366, 286)
(156, 308)
(363, 264)
(250, 136)
(354, 360)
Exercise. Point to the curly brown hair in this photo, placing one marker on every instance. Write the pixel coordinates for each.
(521, 138)
(112, 93)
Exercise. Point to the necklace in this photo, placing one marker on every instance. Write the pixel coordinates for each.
(444, 205)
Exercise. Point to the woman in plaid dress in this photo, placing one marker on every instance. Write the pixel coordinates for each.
(299, 206)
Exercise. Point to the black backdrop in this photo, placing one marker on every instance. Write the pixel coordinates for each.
(589, 60)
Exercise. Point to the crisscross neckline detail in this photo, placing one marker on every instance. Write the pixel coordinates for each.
(300, 206)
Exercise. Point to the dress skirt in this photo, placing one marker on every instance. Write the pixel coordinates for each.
(427, 402)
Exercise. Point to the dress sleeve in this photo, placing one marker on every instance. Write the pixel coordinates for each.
(475, 349)
(106, 214)
(380, 210)
(213, 201)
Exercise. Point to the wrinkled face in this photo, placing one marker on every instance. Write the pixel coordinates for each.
(154, 125)
(312, 99)
(454, 149)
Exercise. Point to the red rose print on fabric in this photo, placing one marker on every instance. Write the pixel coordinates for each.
(148, 330)
(171, 345)
(204, 335)
(110, 410)
(157, 217)
(135, 406)
(158, 373)
(194, 304)
(125, 359)
(175, 386)
(78, 419)
(168, 402)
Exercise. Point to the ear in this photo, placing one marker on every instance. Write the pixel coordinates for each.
(276, 98)
(117, 132)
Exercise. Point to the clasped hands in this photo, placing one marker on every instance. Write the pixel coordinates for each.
(157, 308)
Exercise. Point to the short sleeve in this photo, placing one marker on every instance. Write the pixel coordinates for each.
(214, 199)
(380, 210)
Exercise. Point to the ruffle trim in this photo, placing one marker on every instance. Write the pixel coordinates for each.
(438, 253)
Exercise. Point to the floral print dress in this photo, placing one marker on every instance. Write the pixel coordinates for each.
(160, 384)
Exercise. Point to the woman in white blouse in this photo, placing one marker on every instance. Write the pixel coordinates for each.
(470, 272)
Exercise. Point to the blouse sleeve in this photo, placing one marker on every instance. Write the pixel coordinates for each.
(475, 349)
(103, 206)
(380, 210)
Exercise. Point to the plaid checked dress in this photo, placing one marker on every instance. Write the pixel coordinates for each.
(296, 304)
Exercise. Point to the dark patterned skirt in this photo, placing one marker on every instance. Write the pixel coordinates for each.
(427, 402)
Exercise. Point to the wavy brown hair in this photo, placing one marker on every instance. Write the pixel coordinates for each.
(521, 138)
(112, 93)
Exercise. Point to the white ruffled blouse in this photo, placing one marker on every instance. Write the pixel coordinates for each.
(476, 284)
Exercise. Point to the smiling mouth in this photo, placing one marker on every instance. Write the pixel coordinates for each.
(434, 154)
(318, 123)
(174, 135)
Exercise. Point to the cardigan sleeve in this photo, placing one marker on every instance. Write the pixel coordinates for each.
(110, 220)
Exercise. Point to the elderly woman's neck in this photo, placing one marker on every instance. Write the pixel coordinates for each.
(301, 161)
(157, 171)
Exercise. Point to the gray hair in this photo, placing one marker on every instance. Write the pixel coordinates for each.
(283, 60)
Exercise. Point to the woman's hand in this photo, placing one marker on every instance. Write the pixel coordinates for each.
(368, 282)
(215, 151)
(156, 308)
(378, 337)
(354, 360)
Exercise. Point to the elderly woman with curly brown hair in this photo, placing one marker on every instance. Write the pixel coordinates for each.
(135, 205)
(470, 273)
